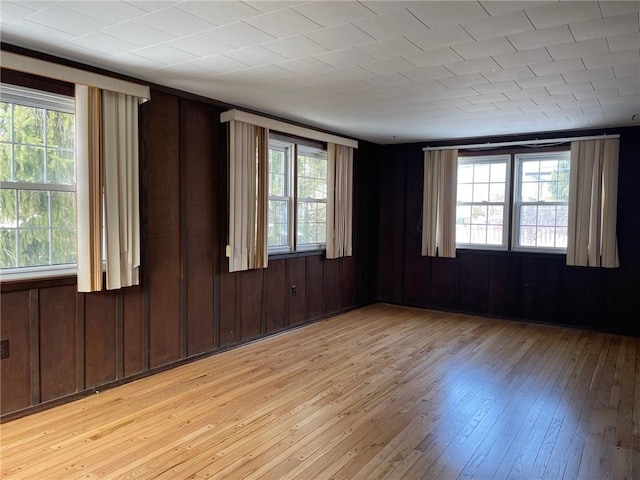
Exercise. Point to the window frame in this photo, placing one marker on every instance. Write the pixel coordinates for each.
(295, 145)
(288, 149)
(506, 204)
(47, 101)
(511, 195)
(518, 160)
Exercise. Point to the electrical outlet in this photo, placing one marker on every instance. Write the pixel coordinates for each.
(526, 289)
(294, 290)
(4, 349)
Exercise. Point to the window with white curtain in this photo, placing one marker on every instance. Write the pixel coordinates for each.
(513, 201)
(37, 176)
(541, 201)
(297, 213)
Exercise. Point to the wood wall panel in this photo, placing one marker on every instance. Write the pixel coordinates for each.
(15, 383)
(250, 293)
(297, 306)
(275, 295)
(314, 282)
(473, 289)
(163, 213)
(417, 269)
(543, 275)
(132, 350)
(197, 168)
(229, 334)
(332, 290)
(348, 282)
(392, 226)
(99, 338)
(581, 299)
(504, 286)
(444, 282)
(366, 221)
(57, 311)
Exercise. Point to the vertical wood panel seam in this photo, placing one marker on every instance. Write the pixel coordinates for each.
(184, 266)
(34, 338)
(81, 314)
(144, 235)
(119, 335)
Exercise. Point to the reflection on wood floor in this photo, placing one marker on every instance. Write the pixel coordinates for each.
(381, 392)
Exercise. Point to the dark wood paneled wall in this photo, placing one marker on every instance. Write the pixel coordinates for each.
(493, 283)
(64, 343)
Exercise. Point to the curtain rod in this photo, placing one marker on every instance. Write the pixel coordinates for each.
(524, 142)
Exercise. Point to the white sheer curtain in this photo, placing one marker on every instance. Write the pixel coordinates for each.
(439, 203)
(108, 188)
(248, 196)
(593, 201)
(339, 201)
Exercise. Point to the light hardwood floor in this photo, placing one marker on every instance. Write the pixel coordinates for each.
(383, 392)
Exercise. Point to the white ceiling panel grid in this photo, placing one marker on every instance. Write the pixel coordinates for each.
(384, 71)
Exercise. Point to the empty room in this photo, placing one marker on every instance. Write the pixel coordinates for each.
(315, 240)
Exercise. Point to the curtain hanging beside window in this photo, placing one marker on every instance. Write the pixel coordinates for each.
(248, 196)
(439, 203)
(108, 188)
(339, 201)
(593, 201)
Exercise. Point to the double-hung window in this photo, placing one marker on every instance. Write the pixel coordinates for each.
(482, 212)
(297, 210)
(541, 201)
(513, 201)
(37, 176)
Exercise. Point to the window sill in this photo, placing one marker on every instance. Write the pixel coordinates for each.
(302, 253)
(513, 253)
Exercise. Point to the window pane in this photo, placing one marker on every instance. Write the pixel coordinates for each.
(479, 234)
(530, 170)
(8, 215)
(529, 192)
(496, 214)
(63, 245)
(481, 192)
(545, 237)
(277, 223)
(465, 173)
(463, 233)
(496, 192)
(498, 172)
(527, 236)
(494, 235)
(562, 215)
(28, 125)
(60, 129)
(5, 163)
(482, 172)
(29, 164)
(463, 214)
(5, 122)
(61, 167)
(33, 208)
(33, 247)
(479, 215)
(465, 192)
(63, 209)
(528, 215)
(561, 237)
(547, 215)
(8, 252)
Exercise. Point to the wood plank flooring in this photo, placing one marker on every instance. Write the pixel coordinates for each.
(383, 392)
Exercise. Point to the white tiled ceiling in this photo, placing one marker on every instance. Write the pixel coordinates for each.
(385, 71)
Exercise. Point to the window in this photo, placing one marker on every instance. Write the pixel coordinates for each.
(483, 209)
(541, 201)
(297, 196)
(37, 176)
(538, 211)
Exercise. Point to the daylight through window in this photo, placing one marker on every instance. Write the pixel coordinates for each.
(37, 176)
